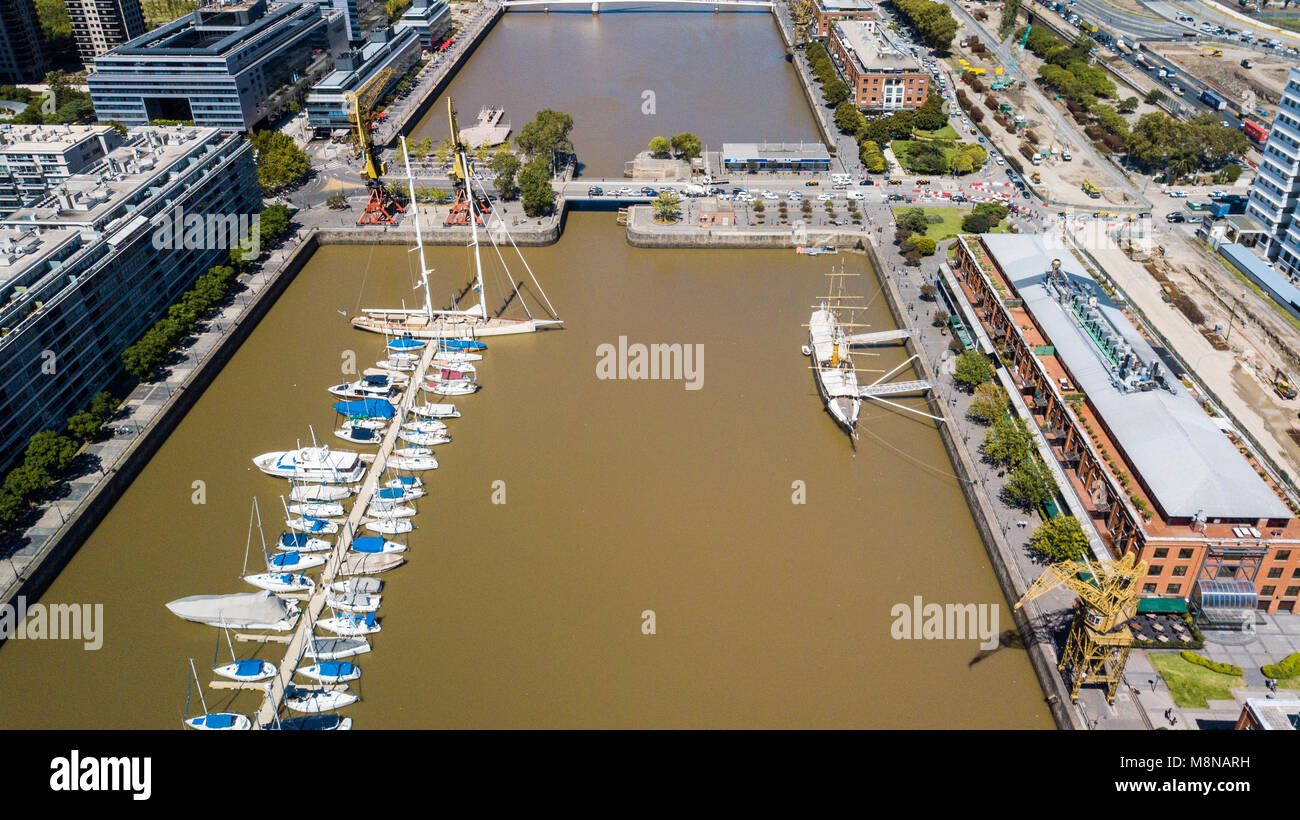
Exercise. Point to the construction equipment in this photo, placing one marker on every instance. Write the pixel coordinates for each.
(1282, 384)
(1099, 642)
(1211, 51)
(460, 172)
(381, 207)
(1090, 189)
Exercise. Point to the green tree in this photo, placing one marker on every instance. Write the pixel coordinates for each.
(84, 426)
(976, 223)
(535, 187)
(924, 245)
(988, 404)
(1008, 441)
(1128, 105)
(1030, 484)
(667, 207)
(273, 222)
(873, 159)
(995, 211)
(50, 452)
(835, 92)
(1154, 96)
(1059, 539)
(547, 136)
(848, 118)
(336, 202)
(687, 145)
(973, 369)
(506, 166)
(913, 219)
(661, 146)
(930, 116)
(281, 164)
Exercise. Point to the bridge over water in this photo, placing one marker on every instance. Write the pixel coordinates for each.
(597, 5)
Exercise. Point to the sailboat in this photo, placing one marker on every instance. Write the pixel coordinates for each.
(245, 671)
(454, 323)
(436, 411)
(278, 582)
(212, 720)
(833, 371)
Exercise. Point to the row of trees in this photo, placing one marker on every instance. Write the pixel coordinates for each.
(1157, 141)
(48, 456)
(912, 223)
(685, 146)
(834, 90)
(932, 22)
(143, 358)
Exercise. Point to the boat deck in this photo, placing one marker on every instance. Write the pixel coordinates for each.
(293, 654)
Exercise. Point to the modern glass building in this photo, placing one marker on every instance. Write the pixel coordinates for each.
(22, 53)
(1276, 190)
(35, 158)
(377, 66)
(229, 66)
(82, 275)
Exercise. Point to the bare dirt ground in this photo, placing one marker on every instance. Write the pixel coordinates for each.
(1265, 80)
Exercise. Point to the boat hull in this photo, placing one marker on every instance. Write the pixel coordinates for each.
(418, 326)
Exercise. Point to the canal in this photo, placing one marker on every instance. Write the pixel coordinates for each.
(627, 77)
(621, 496)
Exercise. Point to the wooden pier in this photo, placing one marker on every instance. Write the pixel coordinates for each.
(297, 644)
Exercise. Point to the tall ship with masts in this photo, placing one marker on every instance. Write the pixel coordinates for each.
(457, 321)
(832, 362)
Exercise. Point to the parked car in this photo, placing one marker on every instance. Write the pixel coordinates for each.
(824, 196)
(856, 196)
(795, 196)
(1176, 216)
(812, 183)
(648, 191)
(896, 197)
(594, 191)
(770, 195)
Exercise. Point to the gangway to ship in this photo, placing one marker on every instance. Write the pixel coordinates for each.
(880, 387)
(879, 337)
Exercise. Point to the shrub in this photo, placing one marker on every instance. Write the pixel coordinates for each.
(976, 223)
(1059, 539)
(1214, 666)
(989, 403)
(1288, 667)
(973, 369)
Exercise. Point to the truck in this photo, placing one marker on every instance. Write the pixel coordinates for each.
(1282, 384)
(1255, 131)
(1143, 63)
(1213, 100)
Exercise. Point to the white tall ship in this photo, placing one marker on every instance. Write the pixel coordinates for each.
(832, 366)
(456, 322)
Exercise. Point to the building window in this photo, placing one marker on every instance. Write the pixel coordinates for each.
(1282, 555)
(1275, 572)
(1173, 589)
(1179, 572)
(1148, 587)
(1267, 592)
(1162, 552)
(1155, 569)
(1185, 552)
(1291, 592)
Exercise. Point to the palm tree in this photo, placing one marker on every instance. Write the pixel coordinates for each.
(668, 207)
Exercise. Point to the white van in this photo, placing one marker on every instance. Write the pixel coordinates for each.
(842, 178)
(1065, 155)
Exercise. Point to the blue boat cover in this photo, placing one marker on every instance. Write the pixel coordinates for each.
(220, 720)
(461, 344)
(293, 540)
(408, 480)
(248, 667)
(362, 434)
(315, 524)
(405, 344)
(392, 492)
(370, 619)
(368, 544)
(332, 669)
(284, 559)
(366, 408)
(377, 380)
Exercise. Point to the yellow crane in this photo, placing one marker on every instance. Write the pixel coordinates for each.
(461, 172)
(1100, 640)
(380, 207)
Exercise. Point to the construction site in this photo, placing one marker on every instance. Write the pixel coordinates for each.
(1221, 66)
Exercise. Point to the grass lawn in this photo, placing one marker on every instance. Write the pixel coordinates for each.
(1190, 684)
(951, 224)
(902, 149)
(945, 133)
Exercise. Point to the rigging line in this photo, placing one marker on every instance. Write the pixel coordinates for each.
(910, 457)
(364, 276)
(504, 266)
(545, 298)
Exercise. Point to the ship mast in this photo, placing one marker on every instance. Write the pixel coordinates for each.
(419, 240)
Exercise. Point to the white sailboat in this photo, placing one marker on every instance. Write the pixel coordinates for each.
(277, 582)
(212, 720)
(427, 323)
(832, 364)
(245, 671)
(313, 464)
(436, 411)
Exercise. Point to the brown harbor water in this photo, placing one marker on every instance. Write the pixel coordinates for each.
(723, 77)
(621, 496)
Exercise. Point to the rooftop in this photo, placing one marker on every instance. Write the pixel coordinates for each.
(873, 47)
(46, 139)
(357, 66)
(1275, 713)
(846, 5)
(733, 151)
(1183, 457)
(1256, 269)
(214, 30)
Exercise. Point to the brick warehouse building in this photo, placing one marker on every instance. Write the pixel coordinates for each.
(828, 12)
(1157, 474)
(880, 74)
